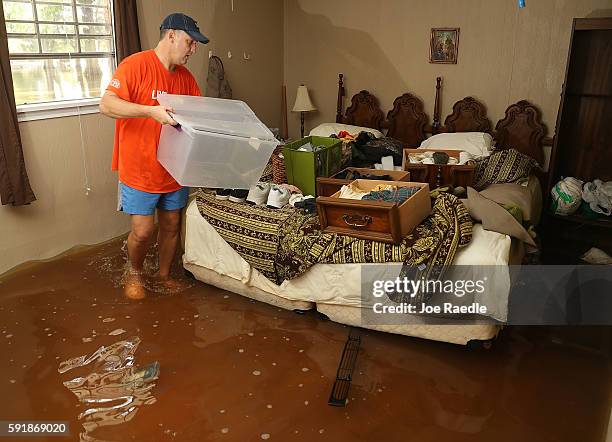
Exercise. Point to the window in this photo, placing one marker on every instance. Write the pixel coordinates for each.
(59, 49)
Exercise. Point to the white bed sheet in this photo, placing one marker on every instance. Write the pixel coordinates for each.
(338, 284)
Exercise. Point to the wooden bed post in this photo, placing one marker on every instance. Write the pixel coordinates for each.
(284, 129)
(435, 127)
(340, 98)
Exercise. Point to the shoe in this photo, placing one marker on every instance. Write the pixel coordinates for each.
(258, 193)
(308, 204)
(295, 198)
(278, 197)
(238, 195)
(222, 194)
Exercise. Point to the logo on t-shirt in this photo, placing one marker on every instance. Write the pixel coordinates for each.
(155, 94)
(115, 83)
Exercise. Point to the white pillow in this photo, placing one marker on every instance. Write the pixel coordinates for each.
(326, 129)
(476, 143)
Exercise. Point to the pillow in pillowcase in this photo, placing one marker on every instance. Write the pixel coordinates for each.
(502, 166)
(476, 143)
(326, 129)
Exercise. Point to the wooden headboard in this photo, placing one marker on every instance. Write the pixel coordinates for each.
(406, 122)
(521, 128)
(468, 116)
(365, 111)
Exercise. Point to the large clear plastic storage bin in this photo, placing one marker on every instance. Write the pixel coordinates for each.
(218, 143)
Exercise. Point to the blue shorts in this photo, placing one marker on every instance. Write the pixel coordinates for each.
(137, 202)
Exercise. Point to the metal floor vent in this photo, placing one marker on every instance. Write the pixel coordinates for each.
(344, 375)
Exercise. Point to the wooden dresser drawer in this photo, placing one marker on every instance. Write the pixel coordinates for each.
(442, 175)
(438, 175)
(327, 186)
(374, 220)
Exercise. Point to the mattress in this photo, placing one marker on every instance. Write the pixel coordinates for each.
(414, 325)
(334, 284)
(234, 285)
(335, 288)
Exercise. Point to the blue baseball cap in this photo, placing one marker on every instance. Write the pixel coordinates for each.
(185, 23)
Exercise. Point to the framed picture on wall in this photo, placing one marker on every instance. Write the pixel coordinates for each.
(444, 45)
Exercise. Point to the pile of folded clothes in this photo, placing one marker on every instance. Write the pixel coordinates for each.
(382, 192)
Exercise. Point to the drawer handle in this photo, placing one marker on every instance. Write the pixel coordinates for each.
(357, 220)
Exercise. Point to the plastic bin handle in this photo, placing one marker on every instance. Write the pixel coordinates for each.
(178, 125)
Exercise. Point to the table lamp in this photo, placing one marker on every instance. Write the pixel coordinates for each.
(302, 104)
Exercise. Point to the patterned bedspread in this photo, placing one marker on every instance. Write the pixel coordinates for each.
(283, 244)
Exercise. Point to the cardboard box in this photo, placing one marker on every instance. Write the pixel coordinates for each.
(375, 220)
(329, 186)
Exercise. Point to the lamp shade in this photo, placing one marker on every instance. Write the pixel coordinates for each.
(302, 100)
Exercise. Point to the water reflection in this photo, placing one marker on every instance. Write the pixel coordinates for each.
(114, 390)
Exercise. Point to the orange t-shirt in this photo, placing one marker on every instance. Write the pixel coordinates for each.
(140, 78)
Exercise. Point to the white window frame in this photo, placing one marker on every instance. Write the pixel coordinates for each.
(64, 108)
(57, 109)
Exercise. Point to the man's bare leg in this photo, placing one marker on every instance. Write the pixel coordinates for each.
(138, 243)
(168, 237)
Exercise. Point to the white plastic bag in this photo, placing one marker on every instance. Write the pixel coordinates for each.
(566, 196)
(599, 196)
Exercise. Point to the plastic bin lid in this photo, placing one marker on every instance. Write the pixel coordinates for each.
(218, 115)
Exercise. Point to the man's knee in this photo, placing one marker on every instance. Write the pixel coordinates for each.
(142, 232)
(170, 223)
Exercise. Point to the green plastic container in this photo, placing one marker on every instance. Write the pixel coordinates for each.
(303, 168)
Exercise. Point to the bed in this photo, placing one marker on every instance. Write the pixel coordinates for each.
(212, 260)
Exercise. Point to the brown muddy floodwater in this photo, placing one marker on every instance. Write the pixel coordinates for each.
(230, 369)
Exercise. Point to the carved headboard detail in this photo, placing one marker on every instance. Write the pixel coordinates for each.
(407, 120)
(469, 115)
(365, 111)
(522, 129)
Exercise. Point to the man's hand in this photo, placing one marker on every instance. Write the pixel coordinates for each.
(161, 114)
(115, 107)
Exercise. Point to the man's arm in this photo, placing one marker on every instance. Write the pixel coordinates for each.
(113, 106)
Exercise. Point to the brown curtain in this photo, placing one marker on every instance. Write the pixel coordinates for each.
(14, 184)
(127, 34)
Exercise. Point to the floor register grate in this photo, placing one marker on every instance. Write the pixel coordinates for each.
(344, 375)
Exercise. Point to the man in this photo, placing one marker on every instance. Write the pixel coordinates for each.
(145, 185)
